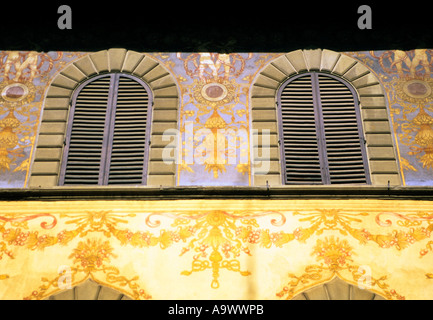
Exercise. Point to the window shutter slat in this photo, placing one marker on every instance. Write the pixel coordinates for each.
(87, 134)
(321, 132)
(301, 155)
(107, 133)
(129, 133)
(342, 134)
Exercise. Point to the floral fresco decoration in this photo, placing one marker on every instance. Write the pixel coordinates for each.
(213, 241)
(23, 80)
(407, 79)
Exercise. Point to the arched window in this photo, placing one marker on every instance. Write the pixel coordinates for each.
(107, 138)
(320, 131)
(338, 289)
(89, 290)
(49, 158)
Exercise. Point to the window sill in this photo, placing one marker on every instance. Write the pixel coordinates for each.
(201, 192)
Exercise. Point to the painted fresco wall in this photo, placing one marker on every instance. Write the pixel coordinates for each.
(215, 90)
(407, 79)
(215, 95)
(216, 249)
(24, 77)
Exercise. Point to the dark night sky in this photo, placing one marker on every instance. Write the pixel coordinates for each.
(219, 26)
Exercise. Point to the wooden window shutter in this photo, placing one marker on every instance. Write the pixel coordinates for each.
(108, 133)
(128, 145)
(85, 134)
(321, 135)
(298, 133)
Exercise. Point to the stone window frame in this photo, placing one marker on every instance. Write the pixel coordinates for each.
(338, 289)
(320, 131)
(380, 144)
(110, 116)
(48, 153)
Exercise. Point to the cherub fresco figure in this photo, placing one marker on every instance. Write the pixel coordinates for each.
(14, 59)
(214, 66)
(206, 61)
(420, 58)
(224, 61)
(25, 65)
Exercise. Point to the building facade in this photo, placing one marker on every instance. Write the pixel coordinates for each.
(205, 175)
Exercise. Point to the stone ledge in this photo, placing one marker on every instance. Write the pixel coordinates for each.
(157, 193)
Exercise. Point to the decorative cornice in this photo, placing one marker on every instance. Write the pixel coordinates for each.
(177, 193)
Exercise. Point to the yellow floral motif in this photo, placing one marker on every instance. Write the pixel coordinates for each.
(19, 107)
(333, 252)
(96, 221)
(335, 256)
(337, 220)
(8, 141)
(214, 99)
(92, 254)
(405, 164)
(217, 234)
(243, 168)
(422, 124)
(215, 239)
(18, 237)
(90, 260)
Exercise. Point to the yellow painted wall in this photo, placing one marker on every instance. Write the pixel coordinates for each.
(216, 249)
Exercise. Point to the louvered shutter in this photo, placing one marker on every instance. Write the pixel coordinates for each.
(129, 135)
(86, 134)
(299, 134)
(320, 132)
(107, 137)
(343, 134)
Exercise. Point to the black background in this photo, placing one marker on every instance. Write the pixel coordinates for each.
(215, 26)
